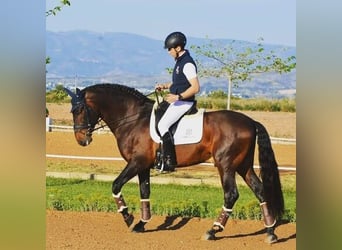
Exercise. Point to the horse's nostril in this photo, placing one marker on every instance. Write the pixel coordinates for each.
(88, 141)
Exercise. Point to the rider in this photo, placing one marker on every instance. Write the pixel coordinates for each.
(183, 88)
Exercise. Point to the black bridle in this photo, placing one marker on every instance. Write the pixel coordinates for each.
(78, 103)
(90, 126)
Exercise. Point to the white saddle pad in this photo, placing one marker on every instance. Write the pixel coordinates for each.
(189, 129)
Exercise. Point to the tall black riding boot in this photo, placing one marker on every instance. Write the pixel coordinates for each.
(169, 153)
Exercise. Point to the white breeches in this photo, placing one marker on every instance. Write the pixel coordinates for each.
(172, 114)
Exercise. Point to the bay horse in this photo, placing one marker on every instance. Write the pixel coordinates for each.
(229, 137)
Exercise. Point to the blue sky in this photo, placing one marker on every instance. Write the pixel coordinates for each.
(273, 20)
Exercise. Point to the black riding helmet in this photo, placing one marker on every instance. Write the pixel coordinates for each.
(175, 39)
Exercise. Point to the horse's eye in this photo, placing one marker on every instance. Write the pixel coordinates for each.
(77, 109)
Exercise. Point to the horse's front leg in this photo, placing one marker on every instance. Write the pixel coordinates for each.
(128, 173)
(144, 184)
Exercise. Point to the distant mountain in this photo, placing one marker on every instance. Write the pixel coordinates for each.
(126, 57)
(89, 54)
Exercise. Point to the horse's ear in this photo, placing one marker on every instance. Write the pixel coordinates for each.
(78, 91)
(69, 92)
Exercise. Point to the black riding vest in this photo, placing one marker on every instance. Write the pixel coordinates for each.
(179, 81)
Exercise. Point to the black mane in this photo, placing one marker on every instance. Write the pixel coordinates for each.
(119, 88)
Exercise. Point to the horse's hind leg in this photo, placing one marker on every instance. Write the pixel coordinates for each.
(257, 187)
(231, 195)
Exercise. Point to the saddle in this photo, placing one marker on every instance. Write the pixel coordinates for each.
(188, 129)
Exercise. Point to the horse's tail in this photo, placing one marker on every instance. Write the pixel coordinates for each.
(269, 173)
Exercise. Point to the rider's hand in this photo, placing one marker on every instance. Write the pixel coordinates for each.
(159, 87)
(170, 98)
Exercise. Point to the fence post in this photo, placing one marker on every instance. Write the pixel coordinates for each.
(48, 124)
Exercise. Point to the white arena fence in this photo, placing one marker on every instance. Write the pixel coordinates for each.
(50, 128)
(282, 168)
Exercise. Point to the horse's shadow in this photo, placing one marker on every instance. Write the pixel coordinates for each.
(262, 231)
(168, 224)
(169, 220)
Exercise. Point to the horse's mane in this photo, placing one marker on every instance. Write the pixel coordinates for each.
(109, 87)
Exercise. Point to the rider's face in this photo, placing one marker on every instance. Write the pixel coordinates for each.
(174, 51)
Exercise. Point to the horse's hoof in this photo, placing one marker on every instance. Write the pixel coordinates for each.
(129, 220)
(271, 238)
(139, 227)
(209, 235)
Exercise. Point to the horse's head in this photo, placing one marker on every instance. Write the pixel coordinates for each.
(85, 118)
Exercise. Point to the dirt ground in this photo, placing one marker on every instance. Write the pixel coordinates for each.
(100, 230)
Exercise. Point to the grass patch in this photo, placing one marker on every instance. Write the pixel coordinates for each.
(174, 200)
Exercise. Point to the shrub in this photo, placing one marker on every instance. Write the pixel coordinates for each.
(217, 102)
(173, 200)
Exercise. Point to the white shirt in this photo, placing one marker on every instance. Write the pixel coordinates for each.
(189, 71)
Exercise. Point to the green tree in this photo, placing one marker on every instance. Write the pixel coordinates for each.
(57, 95)
(58, 8)
(60, 92)
(54, 12)
(239, 62)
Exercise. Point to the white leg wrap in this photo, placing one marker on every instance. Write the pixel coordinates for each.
(223, 217)
(121, 208)
(267, 226)
(117, 195)
(227, 209)
(267, 217)
(218, 224)
(120, 202)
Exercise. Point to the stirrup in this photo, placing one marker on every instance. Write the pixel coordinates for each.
(158, 162)
(161, 165)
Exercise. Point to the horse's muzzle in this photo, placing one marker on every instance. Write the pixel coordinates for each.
(83, 139)
(85, 142)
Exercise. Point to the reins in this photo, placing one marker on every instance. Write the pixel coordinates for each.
(118, 121)
(91, 130)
